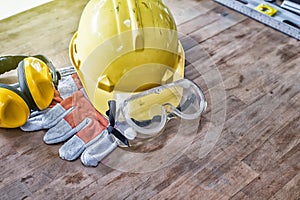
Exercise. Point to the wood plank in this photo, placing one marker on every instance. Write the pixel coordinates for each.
(213, 14)
(234, 143)
(273, 178)
(275, 112)
(226, 21)
(290, 191)
(222, 184)
(141, 185)
(282, 145)
(190, 10)
(14, 190)
(254, 111)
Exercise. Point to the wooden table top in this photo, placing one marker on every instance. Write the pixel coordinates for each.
(246, 147)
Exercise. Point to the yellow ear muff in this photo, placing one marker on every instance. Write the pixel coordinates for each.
(39, 81)
(14, 111)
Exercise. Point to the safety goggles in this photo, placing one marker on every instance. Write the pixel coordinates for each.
(148, 112)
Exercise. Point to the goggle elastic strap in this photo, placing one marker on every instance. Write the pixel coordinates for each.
(111, 113)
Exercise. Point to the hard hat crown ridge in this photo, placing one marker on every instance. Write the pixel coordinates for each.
(102, 19)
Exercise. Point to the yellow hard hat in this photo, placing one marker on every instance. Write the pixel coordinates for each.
(124, 47)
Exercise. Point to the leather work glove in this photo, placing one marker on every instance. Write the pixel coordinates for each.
(74, 118)
(76, 121)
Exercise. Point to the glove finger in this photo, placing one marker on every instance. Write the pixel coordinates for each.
(74, 147)
(63, 131)
(34, 122)
(99, 148)
(38, 113)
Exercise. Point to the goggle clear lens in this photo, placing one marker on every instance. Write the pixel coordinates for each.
(147, 112)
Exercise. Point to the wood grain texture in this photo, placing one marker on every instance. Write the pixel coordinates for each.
(250, 74)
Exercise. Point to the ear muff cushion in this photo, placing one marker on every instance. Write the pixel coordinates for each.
(24, 86)
(15, 90)
(14, 110)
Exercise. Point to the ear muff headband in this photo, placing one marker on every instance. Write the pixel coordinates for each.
(14, 110)
(24, 86)
(8, 63)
